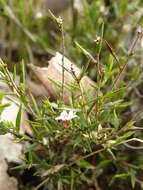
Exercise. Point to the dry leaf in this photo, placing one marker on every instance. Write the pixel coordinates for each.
(36, 89)
(54, 72)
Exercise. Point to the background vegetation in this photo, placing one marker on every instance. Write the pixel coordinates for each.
(102, 146)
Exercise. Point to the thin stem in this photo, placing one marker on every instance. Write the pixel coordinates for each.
(25, 137)
(63, 53)
(113, 53)
(86, 156)
(78, 80)
(130, 54)
(41, 184)
(98, 81)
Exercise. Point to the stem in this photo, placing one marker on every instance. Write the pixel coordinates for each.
(113, 53)
(63, 52)
(98, 81)
(77, 80)
(24, 137)
(41, 184)
(130, 54)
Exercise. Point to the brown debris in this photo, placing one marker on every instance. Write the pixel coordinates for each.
(54, 72)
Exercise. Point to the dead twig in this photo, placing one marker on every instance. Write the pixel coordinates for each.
(113, 53)
(129, 54)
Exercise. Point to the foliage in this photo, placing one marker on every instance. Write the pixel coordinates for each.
(101, 144)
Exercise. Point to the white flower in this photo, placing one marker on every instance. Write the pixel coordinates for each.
(98, 38)
(38, 15)
(66, 116)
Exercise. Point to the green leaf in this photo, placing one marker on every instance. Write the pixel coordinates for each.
(4, 105)
(58, 21)
(112, 154)
(110, 65)
(86, 53)
(101, 34)
(133, 177)
(84, 164)
(22, 167)
(72, 180)
(22, 75)
(30, 159)
(18, 118)
(84, 70)
(122, 176)
(115, 120)
(128, 125)
(2, 128)
(125, 136)
(35, 105)
(14, 72)
(105, 163)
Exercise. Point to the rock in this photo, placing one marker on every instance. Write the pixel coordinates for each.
(6, 182)
(10, 114)
(10, 151)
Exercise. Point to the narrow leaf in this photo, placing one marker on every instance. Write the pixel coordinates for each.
(18, 118)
